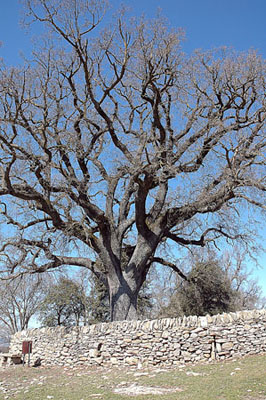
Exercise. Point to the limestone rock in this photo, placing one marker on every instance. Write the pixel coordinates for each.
(163, 341)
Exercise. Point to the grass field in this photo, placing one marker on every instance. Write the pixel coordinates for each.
(236, 379)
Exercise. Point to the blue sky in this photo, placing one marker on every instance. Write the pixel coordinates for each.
(208, 23)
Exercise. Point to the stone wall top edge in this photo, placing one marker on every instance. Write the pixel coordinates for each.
(162, 323)
(148, 325)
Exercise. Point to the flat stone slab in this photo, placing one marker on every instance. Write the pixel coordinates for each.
(9, 359)
(137, 390)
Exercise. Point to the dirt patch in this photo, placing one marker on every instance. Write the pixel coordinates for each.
(136, 390)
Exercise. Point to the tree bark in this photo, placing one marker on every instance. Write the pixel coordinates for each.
(123, 299)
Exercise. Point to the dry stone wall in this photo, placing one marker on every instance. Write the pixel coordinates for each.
(166, 341)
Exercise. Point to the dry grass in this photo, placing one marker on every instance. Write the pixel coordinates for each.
(243, 379)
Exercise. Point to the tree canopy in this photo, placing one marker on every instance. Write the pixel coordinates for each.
(116, 142)
(64, 304)
(215, 284)
(208, 290)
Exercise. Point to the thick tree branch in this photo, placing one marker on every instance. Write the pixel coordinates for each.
(170, 265)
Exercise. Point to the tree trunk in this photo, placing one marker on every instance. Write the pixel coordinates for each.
(123, 300)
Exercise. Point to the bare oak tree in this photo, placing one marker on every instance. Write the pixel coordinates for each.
(117, 142)
(19, 302)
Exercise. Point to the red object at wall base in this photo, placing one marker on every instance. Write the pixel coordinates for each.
(26, 347)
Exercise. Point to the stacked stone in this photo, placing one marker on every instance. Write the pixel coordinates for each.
(166, 341)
